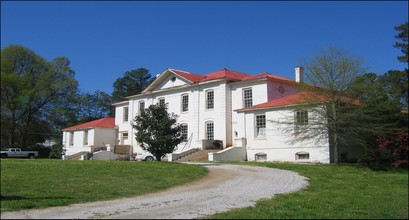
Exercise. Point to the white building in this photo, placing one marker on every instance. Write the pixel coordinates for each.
(89, 137)
(228, 106)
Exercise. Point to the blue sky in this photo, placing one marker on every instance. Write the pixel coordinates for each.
(107, 38)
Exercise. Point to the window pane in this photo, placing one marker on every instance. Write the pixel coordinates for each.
(247, 97)
(261, 125)
(125, 114)
(85, 137)
(185, 103)
(183, 129)
(302, 117)
(141, 106)
(209, 131)
(210, 100)
(162, 101)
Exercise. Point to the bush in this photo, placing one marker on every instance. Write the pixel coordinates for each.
(397, 142)
(56, 151)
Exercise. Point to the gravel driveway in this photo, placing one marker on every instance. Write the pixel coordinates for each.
(224, 188)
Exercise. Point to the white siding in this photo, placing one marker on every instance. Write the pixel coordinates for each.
(276, 144)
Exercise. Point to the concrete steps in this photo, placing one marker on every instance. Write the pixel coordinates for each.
(199, 156)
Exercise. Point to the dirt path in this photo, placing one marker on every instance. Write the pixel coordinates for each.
(226, 187)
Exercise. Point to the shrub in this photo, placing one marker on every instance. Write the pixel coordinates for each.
(397, 142)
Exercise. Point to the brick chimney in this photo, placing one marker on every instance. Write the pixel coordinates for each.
(299, 74)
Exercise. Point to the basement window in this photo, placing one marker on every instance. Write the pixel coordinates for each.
(261, 156)
(302, 155)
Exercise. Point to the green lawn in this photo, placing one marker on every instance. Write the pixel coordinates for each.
(341, 192)
(334, 192)
(27, 184)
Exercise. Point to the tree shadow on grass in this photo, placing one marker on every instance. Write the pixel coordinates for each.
(10, 198)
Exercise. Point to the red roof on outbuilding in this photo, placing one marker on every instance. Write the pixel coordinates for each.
(107, 122)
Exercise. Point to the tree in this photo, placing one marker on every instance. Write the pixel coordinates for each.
(334, 112)
(133, 82)
(157, 130)
(28, 85)
(93, 106)
(403, 36)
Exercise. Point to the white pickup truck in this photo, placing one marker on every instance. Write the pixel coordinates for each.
(17, 152)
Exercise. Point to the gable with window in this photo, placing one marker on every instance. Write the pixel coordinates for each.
(247, 97)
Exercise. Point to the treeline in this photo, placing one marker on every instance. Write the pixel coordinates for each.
(40, 97)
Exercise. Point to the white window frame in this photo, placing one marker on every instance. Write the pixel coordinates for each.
(184, 130)
(302, 156)
(71, 138)
(161, 101)
(247, 97)
(124, 137)
(209, 130)
(301, 117)
(86, 133)
(210, 99)
(141, 106)
(184, 100)
(260, 125)
(125, 114)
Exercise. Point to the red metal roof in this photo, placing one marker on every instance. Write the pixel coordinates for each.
(107, 122)
(295, 99)
(268, 76)
(189, 76)
(226, 74)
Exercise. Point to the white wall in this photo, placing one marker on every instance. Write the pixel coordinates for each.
(276, 145)
(78, 144)
(195, 117)
(97, 137)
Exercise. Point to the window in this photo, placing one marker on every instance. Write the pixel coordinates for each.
(71, 138)
(184, 131)
(141, 106)
(185, 102)
(210, 99)
(209, 130)
(125, 113)
(302, 155)
(124, 137)
(247, 97)
(86, 137)
(260, 125)
(260, 156)
(301, 117)
(161, 101)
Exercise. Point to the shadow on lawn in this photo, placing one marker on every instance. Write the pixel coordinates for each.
(10, 198)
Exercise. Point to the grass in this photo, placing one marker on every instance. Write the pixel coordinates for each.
(27, 184)
(334, 192)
